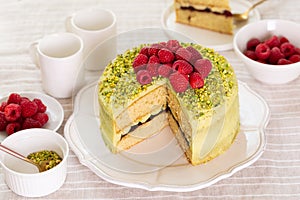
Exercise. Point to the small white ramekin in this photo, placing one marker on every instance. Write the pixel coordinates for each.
(23, 178)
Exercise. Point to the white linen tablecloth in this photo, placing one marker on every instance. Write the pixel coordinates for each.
(275, 175)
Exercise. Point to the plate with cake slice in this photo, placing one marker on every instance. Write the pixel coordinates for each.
(158, 163)
(210, 26)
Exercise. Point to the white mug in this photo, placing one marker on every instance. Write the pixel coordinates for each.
(59, 57)
(95, 26)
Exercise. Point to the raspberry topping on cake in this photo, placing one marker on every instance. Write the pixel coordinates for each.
(165, 55)
(203, 66)
(179, 82)
(196, 80)
(143, 77)
(141, 59)
(182, 66)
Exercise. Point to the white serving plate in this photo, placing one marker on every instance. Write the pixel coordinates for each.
(158, 163)
(207, 38)
(54, 110)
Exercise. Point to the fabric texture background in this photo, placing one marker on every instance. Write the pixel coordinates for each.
(275, 175)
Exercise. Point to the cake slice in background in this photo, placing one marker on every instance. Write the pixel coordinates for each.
(214, 15)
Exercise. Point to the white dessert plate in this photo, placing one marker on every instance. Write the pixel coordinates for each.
(211, 39)
(158, 164)
(54, 110)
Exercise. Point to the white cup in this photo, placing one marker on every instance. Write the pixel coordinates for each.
(59, 57)
(95, 26)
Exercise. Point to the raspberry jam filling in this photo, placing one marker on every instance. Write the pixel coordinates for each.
(226, 13)
(134, 127)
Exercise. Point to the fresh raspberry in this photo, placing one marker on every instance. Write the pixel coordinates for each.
(283, 39)
(287, 49)
(165, 56)
(283, 61)
(143, 77)
(297, 51)
(138, 68)
(252, 43)
(178, 82)
(173, 45)
(295, 58)
(31, 123)
(273, 42)
(14, 98)
(203, 66)
(275, 55)
(262, 51)
(196, 80)
(250, 54)
(153, 49)
(3, 121)
(12, 128)
(164, 70)
(24, 99)
(195, 54)
(141, 59)
(183, 54)
(153, 59)
(41, 117)
(186, 76)
(182, 66)
(144, 51)
(2, 106)
(29, 108)
(152, 69)
(12, 112)
(163, 44)
(41, 106)
(169, 64)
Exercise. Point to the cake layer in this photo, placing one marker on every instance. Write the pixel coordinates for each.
(141, 109)
(221, 22)
(143, 131)
(214, 5)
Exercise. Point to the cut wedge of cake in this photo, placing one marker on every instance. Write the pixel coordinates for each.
(213, 15)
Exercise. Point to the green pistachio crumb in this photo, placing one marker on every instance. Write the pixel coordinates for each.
(52, 157)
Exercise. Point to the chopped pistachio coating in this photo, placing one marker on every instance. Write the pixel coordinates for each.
(118, 82)
(52, 157)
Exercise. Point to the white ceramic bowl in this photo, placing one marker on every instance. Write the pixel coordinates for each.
(267, 73)
(23, 178)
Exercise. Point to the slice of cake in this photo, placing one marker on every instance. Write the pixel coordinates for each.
(185, 86)
(214, 15)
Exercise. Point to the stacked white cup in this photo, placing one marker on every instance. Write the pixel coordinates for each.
(95, 26)
(63, 57)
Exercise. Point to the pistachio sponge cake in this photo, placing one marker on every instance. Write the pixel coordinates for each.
(185, 86)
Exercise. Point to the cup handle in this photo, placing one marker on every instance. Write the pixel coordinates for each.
(33, 54)
(68, 24)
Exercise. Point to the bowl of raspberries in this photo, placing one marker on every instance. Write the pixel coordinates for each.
(270, 49)
(19, 111)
